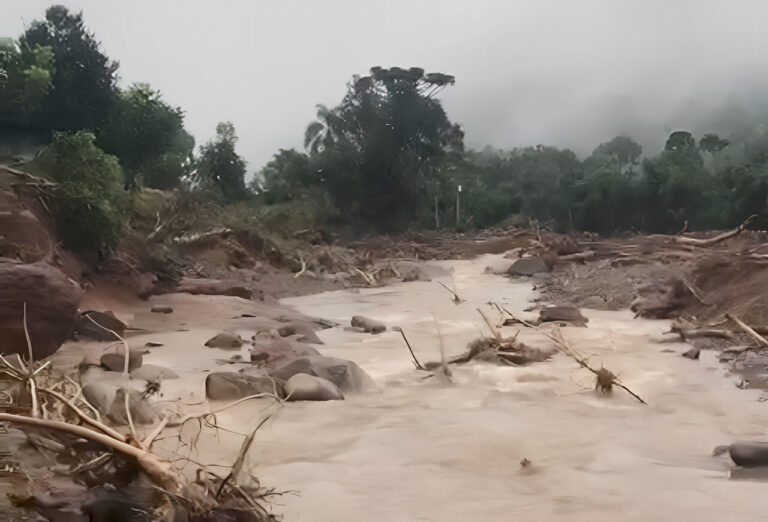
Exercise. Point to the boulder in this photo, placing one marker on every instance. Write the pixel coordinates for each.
(22, 236)
(225, 340)
(304, 330)
(568, 314)
(368, 325)
(420, 271)
(749, 454)
(303, 387)
(153, 373)
(595, 302)
(211, 287)
(115, 362)
(232, 385)
(528, 266)
(693, 353)
(662, 299)
(97, 326)
(499, 266)
(160, 309)
(278, 353)
(109, 399)
(52, 299)
(348, 376)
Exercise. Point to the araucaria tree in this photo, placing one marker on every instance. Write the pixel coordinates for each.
(379, 150)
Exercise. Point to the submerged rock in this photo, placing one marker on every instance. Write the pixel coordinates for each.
(109, 399)
(499, 266)
(278, 353)
(368, 325)
(528, 266)
(232, 385)
(153, 373)
(569, 314)
(303, 387)
(348, 376)
(99, 326)
(749, 454)
(304, 330)
(115, 362)
(693, 353)
(225, 340)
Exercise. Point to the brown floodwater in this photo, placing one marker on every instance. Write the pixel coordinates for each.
(427, 450)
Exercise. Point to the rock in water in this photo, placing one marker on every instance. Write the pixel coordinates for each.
(224, 340)
(368, 325)
(160, 309)
(305, 330)
(97, 326)
(528, 266)
(348, 376)
(749, 454)
(115, 362)
(52, 300)
(500, 266)
(109, 399)
(569, 314)
(153, 373)
(693, 353)
(303, 387)
(231, 385)
(278, 353)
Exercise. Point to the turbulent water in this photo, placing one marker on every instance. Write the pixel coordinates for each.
(429, 450)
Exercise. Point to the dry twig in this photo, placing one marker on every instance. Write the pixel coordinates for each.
(605, 378)
(744, 326)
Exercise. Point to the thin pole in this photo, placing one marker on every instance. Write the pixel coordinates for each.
(458, 191)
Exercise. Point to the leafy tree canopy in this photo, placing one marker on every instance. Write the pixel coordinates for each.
(84, 79)
(378, 149)
(622, 149)
(26, 76)
(148, 137)
(92, 206)
(219, 167)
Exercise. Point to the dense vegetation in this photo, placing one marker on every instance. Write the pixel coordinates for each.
(386, 158)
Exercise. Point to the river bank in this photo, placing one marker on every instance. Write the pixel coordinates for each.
(500, 442)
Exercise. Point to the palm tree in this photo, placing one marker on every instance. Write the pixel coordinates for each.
(327, 130)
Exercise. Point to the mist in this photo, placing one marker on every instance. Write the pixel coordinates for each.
(569, 74)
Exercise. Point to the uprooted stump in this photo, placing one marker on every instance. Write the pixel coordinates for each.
(509, 352)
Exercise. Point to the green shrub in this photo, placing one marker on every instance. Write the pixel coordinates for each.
(91, 203)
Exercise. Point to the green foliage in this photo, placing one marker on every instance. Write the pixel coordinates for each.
(219, 167)
(713, 143)
(380, 150)
(622, 149)
(84, 79)
(286, 177)
(91, 204)
(148, 137)
(25, 76)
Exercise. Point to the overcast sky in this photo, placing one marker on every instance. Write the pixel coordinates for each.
(566, 73)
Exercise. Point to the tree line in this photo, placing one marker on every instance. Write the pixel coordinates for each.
(386, 158)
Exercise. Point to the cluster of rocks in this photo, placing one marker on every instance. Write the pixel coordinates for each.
(290, 369)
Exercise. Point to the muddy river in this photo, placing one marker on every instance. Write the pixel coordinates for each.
(429, 450)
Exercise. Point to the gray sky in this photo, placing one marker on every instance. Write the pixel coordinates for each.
(566, 73)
